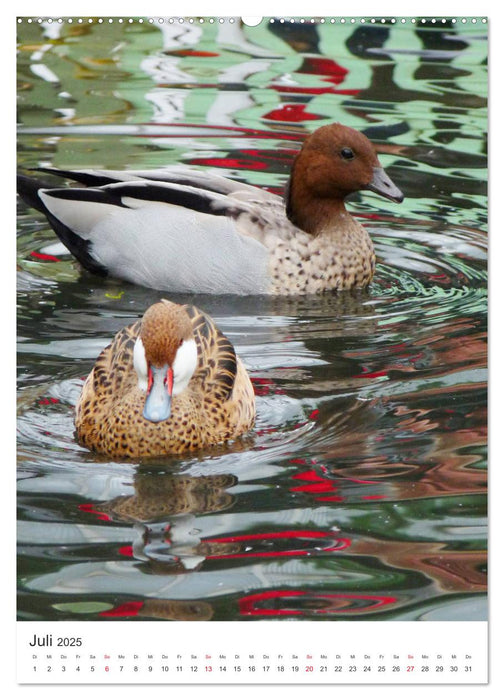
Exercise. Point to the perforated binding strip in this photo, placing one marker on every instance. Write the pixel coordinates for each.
(424, 21)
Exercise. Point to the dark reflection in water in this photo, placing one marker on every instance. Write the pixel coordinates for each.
(361, 492)
(168, 494)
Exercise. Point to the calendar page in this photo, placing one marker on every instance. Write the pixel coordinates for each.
(252, 349)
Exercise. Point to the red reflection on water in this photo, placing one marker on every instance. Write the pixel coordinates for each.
(325, 70)
(250, 160)
(193, 52)
(313, 90)
(126, 551)
(337, 603)
(44, 257)
(369, 374)
(90, 508)
(236, 163)
(292, 113)
(265, 387)
(319, 65)
(318, 484)
(334, 544)
(125, 610)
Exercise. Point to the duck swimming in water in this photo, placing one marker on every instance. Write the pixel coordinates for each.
(186, 230)
(167, 384)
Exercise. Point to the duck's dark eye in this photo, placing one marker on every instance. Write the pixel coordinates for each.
(347, 153)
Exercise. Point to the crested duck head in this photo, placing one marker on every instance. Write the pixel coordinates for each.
(334, 162)
(165, 357)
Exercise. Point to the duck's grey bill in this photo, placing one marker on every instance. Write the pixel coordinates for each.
(157, 406)
(382, 184)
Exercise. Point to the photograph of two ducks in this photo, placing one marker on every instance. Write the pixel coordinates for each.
(252, 305)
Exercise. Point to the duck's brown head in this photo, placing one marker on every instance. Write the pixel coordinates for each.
(334, 162)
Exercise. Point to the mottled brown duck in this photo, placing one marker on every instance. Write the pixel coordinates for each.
(167, 384)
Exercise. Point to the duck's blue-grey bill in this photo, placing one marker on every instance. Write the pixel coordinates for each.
(382, 184)
(157, 406)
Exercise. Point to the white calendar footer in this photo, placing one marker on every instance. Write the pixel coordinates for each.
(252, 652)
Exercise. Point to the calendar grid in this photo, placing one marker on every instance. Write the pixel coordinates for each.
(310, 653)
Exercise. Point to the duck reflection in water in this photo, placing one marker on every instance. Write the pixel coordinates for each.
(173, 546)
